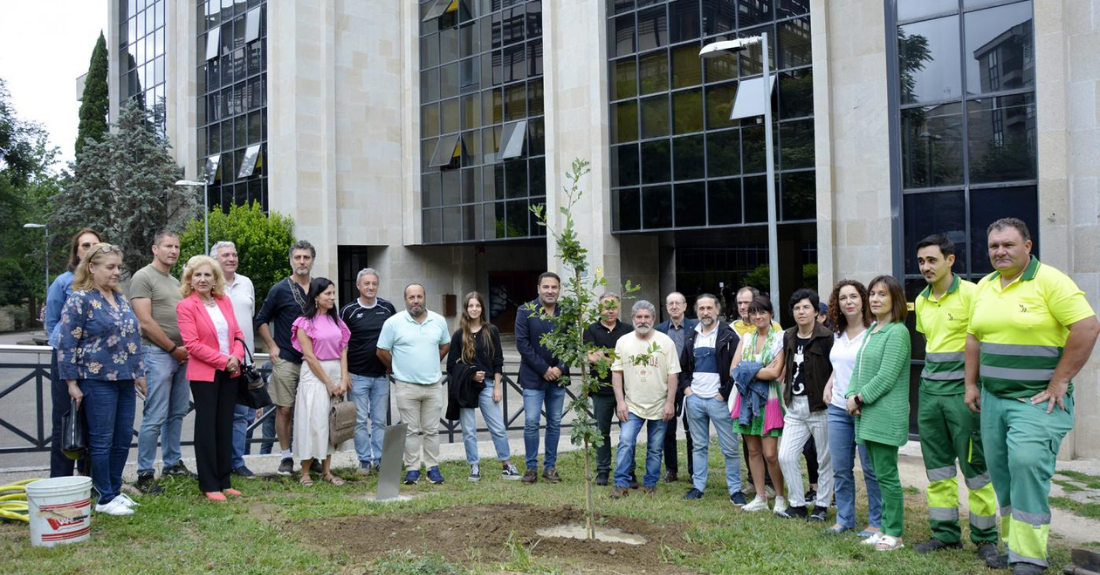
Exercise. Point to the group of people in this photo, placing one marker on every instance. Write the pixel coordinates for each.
(1000, 357)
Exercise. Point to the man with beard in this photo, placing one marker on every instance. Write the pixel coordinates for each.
(644, 378)
(411, 345)
(285, 302)
(706, 384)
(539, 372)
(154, 293)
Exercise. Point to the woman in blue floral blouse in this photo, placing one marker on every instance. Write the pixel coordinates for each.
(99, 357)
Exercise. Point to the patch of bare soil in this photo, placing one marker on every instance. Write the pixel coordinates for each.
(459, 533)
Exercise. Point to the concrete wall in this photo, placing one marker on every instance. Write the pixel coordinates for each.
(1067, 38)
(851, 139)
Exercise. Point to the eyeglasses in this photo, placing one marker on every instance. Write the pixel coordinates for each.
(108, 248)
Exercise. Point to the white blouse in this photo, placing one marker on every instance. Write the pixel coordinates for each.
(221, 326)
(843, 356)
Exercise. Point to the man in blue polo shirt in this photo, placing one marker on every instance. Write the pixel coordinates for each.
(411, 345)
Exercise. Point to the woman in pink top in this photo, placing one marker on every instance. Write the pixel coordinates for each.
(323, 340)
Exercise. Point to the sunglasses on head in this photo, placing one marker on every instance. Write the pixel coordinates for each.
(108, 248)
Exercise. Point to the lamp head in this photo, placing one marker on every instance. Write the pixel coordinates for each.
(721, 48)
(34, 226)
(190, 183)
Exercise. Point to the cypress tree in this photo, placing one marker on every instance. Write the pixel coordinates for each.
(94, 103)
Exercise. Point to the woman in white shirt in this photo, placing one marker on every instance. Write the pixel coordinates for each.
(850, 315)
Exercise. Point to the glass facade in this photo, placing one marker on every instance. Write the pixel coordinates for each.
(232, 100)
(481, 119)
(678, 161)
(141, 60)
(966, 102)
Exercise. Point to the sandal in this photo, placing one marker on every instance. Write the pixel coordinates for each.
(306, 480)
(333, 480)
(888, 543)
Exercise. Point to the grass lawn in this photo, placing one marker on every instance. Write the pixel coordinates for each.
(461, 527)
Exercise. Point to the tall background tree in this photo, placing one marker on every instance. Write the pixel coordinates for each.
(124, 187)
(94, 103)
(26, 183)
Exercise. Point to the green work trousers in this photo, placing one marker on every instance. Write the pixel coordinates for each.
(950, 432)
(1021, 448)
(884, 461)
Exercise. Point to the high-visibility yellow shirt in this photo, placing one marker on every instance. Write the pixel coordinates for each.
(1023, 328)
(943, 321)
(742, 327)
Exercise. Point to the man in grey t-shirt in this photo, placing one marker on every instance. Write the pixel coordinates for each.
(154, 293)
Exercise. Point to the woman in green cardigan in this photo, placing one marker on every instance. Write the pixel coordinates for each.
(879, 398)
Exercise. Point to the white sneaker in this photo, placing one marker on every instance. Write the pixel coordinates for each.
(873, 539)
(115, 507)
(757, 504)
(125, 500)
(780, 504)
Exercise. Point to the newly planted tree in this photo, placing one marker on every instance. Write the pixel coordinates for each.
(579, 306)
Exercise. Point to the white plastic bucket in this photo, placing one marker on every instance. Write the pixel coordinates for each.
(60, 510)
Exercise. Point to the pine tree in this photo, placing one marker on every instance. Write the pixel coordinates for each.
(94, 102)
(124, 186)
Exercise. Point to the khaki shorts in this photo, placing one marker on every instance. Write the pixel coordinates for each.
(284, 382)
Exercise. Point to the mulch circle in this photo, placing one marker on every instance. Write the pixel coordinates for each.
(455, 531)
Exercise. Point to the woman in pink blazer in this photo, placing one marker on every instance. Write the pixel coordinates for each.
(215, 350)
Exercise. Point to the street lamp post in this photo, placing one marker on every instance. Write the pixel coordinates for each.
(205, 211)
(729, 46)
(46, 228)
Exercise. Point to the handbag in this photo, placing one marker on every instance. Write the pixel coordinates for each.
(341, 421)
(251, 386)
(74, 442)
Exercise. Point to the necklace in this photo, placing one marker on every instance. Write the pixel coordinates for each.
(210, 303)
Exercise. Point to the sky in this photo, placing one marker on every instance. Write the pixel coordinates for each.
(45, 45)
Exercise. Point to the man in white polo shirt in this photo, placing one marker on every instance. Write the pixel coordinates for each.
(411, 345)
(243, 296)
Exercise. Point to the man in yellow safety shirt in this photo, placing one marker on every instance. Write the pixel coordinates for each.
(948, 430)
(1031, 331)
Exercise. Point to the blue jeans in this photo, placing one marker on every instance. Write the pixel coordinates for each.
(242, 417)
(372, 400)
(700, 412)
(167, 399)
(553, 397)
(268, 431)
(490, 410)
(842, 440)
(109, 410)
(624, 455)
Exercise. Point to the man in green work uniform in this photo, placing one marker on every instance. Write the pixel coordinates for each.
(948, 430)
(1031, 331)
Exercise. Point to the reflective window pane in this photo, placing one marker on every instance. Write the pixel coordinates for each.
(719, 16)
(1002, 139)
(796, 145)
(785, 8)
(656, 167)
(796, 94)
(931, 146)
(724, 202)
(517, 220)
(652, 29)
(655, 116)
(723, 153)
(653, 72)
(624, 79)
(429, 51)
(657, 207)
(690, 205)
(756, 199)
(988, 206)
(627, 206)
(719, 106)
(687, 68)
(687, 158)
(624, 122)
(913, 9)
(622, 30)
(752, 12)
(935, 213)
(1000, 53)
(624, 165)
(683, 20)
(928, 58)
(687, 111)
(799, 196)
(720, 68)
(794, 43)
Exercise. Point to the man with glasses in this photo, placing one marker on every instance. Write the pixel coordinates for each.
(677, 325)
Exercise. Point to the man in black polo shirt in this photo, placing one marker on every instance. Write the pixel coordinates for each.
(284, 304)
(370, 390)
(605, 333)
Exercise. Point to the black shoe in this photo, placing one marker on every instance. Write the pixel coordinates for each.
(820, 514)
(601, 478)
(738, 498)
(811, 496)
(178, 470)
(997, 561)
(1027, 569)
(244, 471)
(934, 544)
(633, 482)
(286, 466)
(987, 551)
(315, 467)
(670, 477)
(693, 493)
(146, 485)
(792, 512)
